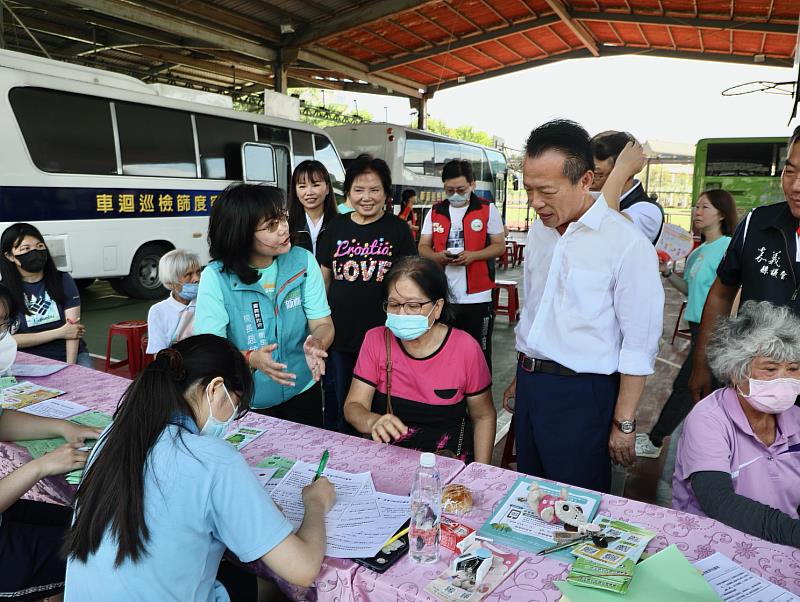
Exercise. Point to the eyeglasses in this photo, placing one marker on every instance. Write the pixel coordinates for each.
(412, 307)
(272, 225)
(460, 190)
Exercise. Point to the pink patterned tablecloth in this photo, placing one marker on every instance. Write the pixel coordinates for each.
(392, 467)
(696, 537)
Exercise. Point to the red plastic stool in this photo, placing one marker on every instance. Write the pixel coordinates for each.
(133, 331)
(508, 451)
(519, 256)
(511, 307)
(683, 333)
(147, 358)
(507, 258)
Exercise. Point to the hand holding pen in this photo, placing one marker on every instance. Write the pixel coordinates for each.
(320, 491)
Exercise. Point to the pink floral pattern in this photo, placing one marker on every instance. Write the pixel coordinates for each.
(392, 469)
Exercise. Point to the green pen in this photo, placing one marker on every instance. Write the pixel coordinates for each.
(322, 462)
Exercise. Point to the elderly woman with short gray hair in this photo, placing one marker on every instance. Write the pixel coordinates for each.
(738, 458)
(172, 319)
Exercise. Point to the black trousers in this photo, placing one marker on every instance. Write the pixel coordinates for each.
(562, 426)
(31, 565)
(478, 320)
(679, 403)
(303, 408)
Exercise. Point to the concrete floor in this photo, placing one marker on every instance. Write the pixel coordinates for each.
(102, 307)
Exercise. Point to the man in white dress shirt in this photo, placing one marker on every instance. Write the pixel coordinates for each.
(591, 319)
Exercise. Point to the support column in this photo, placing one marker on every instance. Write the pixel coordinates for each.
(421, 105)
(281, 70)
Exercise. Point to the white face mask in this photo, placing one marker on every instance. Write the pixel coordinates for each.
(458, 200)
(8, 352)
(213, 426)
(772, 396)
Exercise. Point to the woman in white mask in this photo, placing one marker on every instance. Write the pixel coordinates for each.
(172, 319)
(439, 383)
(164, 494)
(31, 533)
(738, 458)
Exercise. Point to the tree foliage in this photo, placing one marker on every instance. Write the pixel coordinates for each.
(462, 132)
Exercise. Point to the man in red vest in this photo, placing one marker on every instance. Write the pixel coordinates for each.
(465, 234)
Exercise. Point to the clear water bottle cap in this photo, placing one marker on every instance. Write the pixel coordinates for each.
(428, 460)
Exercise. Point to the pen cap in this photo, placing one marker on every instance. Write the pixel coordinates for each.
(428, 460)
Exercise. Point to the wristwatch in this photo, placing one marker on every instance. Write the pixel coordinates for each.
(626, 426)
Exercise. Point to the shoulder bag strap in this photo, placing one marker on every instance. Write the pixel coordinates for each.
(387, 335)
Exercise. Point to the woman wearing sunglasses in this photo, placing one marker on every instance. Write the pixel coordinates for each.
(268, 298)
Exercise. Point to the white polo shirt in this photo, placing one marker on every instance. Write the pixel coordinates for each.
(593, 299)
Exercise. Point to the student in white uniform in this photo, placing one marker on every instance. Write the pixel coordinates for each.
(165, 495)
(172, 319)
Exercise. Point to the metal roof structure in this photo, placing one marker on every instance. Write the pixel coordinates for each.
(407, 47)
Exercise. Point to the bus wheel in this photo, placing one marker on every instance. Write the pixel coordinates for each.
(143, 282)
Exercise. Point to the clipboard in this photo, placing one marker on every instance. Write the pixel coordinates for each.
(388, 555)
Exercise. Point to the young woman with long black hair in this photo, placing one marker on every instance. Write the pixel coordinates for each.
(49, 302)
(164, 494)
(268, 298)
(31, 532)
(312, 204)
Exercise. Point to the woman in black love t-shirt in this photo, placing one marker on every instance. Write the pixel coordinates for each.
(356, 251)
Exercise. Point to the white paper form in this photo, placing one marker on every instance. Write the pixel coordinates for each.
(55, 408)
(734, 583)
(361, 520)
(36, 369)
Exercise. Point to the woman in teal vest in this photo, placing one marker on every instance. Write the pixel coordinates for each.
(268, 298)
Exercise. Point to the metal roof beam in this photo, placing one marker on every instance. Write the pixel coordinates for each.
(751, 26)
(617, 51)
(357, 70)
(467, 42)
(186, 29)
(367, 12)
(579, 29)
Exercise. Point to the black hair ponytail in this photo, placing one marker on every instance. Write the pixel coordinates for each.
(111, 494)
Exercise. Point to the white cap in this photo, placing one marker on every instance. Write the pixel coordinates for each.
(428, 460)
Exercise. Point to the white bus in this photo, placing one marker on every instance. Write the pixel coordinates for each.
(416, 158)
(115, 173)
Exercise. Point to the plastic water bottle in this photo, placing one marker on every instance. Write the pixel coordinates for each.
(426, 507)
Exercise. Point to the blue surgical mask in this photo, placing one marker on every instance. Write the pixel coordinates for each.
(189, 291)
(214, 427)
(407, 327)
(458, 200)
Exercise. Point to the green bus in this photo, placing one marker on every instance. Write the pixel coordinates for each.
(748, 168)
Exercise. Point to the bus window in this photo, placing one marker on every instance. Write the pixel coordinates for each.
(444, 152)
(474, 155)
(419, 156)
(273, 135)
(66, 133)
(155, 141)
(220, 142)
(302, 146)
(278, 137)
(737, 159)
(497, 161)
(326, 154)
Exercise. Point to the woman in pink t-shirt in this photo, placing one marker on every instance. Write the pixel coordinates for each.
(441, 399)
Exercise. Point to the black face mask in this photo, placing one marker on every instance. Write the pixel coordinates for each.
(33, 261)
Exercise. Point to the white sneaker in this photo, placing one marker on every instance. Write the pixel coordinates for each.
(645, 447)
